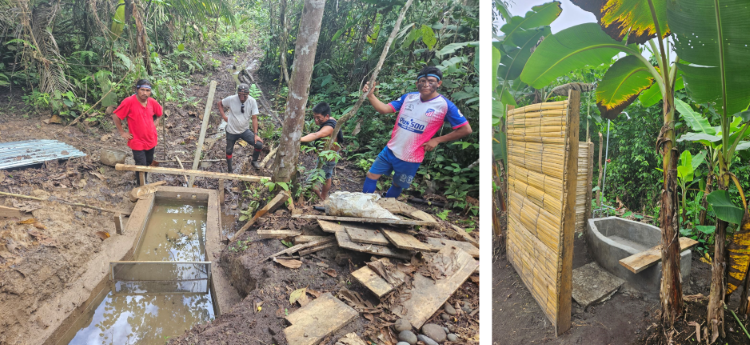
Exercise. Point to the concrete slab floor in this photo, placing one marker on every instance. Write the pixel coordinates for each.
(592, 284)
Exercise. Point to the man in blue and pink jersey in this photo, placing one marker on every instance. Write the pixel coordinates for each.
(420, 116)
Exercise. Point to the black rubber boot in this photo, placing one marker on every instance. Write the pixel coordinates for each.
(229, 165)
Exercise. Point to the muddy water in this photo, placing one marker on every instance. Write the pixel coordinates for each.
(151, 313)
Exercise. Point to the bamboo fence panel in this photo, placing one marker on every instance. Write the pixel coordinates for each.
(542, 145)
(583, 197)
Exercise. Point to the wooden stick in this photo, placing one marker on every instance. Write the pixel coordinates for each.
(462, 233)
(183, 168)
(300, 247)
(367, 220)
(204, 127)
(315, 249)
(271, 206)
(221, 191)
(64, 202)
(268, 157)
(201, 173)
(265, 234)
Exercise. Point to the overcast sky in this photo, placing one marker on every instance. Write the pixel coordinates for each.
(571, 14)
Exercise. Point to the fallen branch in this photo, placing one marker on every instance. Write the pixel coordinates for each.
(64, 202)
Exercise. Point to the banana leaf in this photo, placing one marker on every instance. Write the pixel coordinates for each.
(739, 255)
(570, 49)
(714, 43)
(621, 85)
(631, 18)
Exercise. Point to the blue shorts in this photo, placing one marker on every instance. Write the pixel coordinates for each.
(387, 162)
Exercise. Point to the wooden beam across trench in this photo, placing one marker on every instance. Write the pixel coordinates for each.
(193, 173)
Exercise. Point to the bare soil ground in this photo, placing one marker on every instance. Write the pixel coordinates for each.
(39, 260)
(629, 317)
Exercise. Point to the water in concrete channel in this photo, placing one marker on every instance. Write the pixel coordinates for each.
(174, 297)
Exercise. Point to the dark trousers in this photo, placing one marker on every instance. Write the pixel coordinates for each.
(145, 158)
(247, 136)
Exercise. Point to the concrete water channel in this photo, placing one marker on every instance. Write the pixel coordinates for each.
(168, 281)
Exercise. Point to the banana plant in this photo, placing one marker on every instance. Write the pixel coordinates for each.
(708, 39)
(626, 26)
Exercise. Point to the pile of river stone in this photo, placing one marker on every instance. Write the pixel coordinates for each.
(432, 334)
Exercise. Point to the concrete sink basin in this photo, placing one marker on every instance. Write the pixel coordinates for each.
(611, 239)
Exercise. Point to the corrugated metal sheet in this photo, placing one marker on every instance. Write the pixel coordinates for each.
(22, 153)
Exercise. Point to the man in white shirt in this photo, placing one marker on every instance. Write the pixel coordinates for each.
(242, 108)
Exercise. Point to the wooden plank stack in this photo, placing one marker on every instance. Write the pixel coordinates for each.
(542, 177)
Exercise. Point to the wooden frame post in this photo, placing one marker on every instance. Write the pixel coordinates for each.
(221, 191)
(204, 127)
(589, 181)
(565, 294)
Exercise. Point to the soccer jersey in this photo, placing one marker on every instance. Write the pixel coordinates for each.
(140, 121)
(239, 121)
(418, 121)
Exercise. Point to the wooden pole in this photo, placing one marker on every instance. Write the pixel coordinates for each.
(589, 182)
(570, 179)
(204, 127)
(201, 173)
(183, 168)
(601, 172)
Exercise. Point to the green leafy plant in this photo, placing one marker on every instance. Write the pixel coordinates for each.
(444, 214)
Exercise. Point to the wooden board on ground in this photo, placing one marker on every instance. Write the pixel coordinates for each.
(367, 220)
(317, 320)
(195, 173)
(9, 212)
(360, 235)
(330, 227)
(308, 238)
(426, 295)
(397, 207)
(379, 286)
(263, 234)
(636, 263)
(345, 242)
(406, 241)
(463, 234)
(439, 243)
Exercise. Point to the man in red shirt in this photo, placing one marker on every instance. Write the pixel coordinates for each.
(142, 113)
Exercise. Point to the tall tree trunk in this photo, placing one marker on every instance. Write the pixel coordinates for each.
(285, 163)
(141, 37)
(671, 283)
